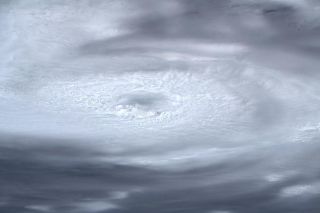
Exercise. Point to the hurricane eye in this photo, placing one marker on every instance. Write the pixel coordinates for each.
(142, 99)
(140, 104)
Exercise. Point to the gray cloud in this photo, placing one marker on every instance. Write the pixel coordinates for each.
(207, 106)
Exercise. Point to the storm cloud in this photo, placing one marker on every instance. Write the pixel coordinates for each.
(133, 106)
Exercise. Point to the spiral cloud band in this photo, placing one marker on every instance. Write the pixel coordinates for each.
(207, 106)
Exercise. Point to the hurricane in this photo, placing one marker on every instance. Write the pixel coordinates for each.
(208, 106)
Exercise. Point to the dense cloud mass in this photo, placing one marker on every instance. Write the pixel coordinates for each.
(145, 106)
